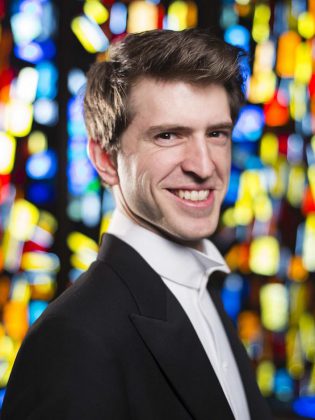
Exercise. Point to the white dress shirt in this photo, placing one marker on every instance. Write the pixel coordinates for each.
(185, 271)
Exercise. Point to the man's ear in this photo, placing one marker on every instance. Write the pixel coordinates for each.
(103, 163)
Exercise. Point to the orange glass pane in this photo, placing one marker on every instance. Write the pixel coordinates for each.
(249, 327)
(296, 270)
(276, 114)
(15, 319)
(288, 42)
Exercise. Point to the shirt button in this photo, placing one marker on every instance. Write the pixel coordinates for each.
(225, 366)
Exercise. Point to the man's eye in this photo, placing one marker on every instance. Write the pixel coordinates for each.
(218, 134)
(165, 136)
(215, 133)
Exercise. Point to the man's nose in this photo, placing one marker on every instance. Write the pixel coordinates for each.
(199, 157)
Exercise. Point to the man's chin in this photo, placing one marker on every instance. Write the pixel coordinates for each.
(194, 232)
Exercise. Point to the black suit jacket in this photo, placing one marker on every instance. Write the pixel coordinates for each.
(118, 345)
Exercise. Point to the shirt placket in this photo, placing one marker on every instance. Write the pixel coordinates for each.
(209, 313)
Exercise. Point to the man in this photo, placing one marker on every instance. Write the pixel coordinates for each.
(140, 336)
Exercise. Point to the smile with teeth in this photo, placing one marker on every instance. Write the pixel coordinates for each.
(192, 195)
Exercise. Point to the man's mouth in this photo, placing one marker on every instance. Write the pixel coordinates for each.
(192, 195)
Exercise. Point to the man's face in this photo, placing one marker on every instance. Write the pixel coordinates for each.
(175, 156)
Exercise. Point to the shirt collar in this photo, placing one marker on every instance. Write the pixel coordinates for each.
(178, 263)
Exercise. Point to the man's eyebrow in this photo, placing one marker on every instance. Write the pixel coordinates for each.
(228, 125)
(221, 125)
(167, 127)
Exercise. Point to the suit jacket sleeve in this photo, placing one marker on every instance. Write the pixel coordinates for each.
(59, 374)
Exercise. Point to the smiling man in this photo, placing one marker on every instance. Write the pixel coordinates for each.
(142, 334)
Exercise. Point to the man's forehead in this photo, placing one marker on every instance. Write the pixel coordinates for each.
(167, 97)
(147, 89)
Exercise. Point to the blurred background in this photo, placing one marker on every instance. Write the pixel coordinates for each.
(53, 208)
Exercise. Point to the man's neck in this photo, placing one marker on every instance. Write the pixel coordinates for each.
(198, 244)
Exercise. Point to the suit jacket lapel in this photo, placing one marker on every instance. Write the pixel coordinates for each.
(168, 334)
(178, 351)
(258, 408)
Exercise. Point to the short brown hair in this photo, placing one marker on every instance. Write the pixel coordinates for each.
(191, 55)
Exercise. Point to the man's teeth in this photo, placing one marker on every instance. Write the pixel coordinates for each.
(193, 195)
